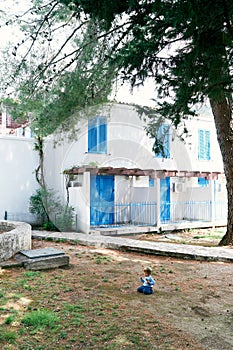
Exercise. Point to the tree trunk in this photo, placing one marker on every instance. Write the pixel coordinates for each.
(39, 146)
(224, 126)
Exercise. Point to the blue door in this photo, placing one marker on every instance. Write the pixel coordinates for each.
(102, 200)
(165, 199)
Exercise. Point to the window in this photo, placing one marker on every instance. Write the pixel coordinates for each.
(164, 139)
(203, 144)
(151, 182)
(97, 135)
(202, 182)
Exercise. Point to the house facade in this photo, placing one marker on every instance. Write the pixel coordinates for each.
(112, 177)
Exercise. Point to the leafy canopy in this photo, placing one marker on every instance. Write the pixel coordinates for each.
(56, 72)
(185, 46)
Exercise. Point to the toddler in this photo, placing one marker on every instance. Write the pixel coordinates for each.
(148, 282)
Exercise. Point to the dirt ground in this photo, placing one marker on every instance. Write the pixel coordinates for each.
(192, 300)
(201, 236)
(99, 308)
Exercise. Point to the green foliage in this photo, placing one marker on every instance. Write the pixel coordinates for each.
(32, 274)
(58, 88)
(36, 204)
(185, 46)
(9, 320)
(53, 215)
(65, 219)
(40, 319)
(9, 336)
(49, 226)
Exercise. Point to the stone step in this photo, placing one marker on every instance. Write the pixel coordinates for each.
(46, 263)
(42, 259)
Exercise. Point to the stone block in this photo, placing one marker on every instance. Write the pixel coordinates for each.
(45, 263)
(17, 237)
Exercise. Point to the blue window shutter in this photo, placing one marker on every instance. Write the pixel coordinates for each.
(207, 137)
(92, 135)
(202, 182)
(102, 142)
(151, 182)
(97, 135)
(167, 141)
(164, 138)
(203, 144)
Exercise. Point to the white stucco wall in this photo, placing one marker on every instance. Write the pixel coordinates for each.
(18, 162)
(129, 146)
(80, 201)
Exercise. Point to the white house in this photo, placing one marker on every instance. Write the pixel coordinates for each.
(114, 178)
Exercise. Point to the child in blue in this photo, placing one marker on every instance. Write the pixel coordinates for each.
(148, 282)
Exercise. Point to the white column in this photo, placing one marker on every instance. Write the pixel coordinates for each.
(213, 200)
(158, 202)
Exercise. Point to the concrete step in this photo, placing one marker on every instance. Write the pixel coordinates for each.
(42, 259)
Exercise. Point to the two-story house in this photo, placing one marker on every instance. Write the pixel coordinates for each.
(114, 178)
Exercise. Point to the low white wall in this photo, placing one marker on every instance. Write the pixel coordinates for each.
(18, 162)
(18, 238)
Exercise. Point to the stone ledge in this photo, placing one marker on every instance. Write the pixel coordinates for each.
(46, 263)
(17, 237)
(36, 264)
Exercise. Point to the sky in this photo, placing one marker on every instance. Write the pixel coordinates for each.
(142, 95)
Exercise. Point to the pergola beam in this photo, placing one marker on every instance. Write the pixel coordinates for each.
(122, 171)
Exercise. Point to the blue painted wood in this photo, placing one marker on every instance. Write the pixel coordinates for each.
(102, 200)
(151, 182)
(97, 135)
(164, 137)
(102, 135)
(203, 144)
(165, 200)
(92, 135)
(202, 182)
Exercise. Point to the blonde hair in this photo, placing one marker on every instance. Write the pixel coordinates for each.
(148, 269)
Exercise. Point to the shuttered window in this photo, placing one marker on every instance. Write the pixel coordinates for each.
(151, 182)
(164, 138)
(97, 135)
(202, 182)
(203, 144)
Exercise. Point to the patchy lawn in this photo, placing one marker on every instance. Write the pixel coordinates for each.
(208, 237)
(93, 304)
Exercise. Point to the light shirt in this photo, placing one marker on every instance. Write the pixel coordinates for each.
(150, 279)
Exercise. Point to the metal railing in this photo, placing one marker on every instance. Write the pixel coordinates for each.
(24, 217)
(145, 213)
(190, 211)
(142, 213)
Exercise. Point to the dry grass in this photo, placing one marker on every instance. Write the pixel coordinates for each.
(93, 304)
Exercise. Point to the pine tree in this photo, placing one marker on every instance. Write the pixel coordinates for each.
(185, 46)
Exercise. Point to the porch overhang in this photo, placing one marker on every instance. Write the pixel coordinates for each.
(156, 174)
